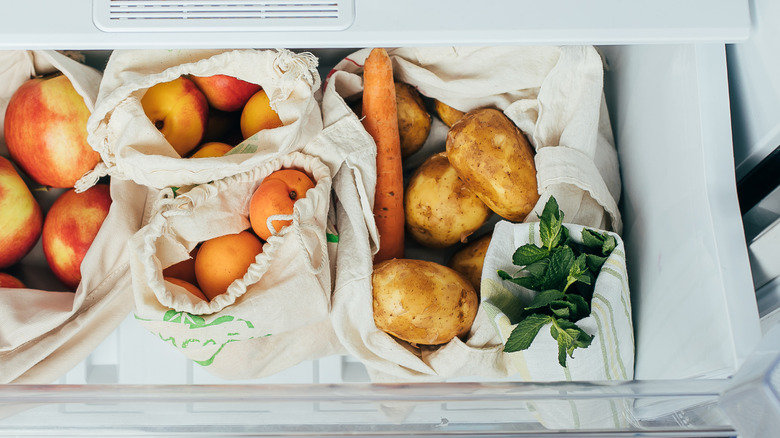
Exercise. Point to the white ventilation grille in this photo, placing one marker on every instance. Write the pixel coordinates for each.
(194, 15)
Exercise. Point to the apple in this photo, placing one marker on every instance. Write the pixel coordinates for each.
(21, 218)
(9, 281)
(179, 110)
(46, 131)
(212, 149)
(70, 227)
(258, 115)
(225, 93)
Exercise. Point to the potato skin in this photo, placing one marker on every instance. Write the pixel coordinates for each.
(446, 113)
(496, 161)
(468, 261)
(414, 122)
(422, 302)
(440, 210)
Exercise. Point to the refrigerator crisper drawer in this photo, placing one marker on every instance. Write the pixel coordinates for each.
(693, 303)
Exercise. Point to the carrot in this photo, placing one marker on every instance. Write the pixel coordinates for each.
(380, 119)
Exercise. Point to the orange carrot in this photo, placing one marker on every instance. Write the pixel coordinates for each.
(381, 121)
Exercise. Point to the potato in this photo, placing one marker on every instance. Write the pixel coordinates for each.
(439, 209)
(468, 261)
(446, 113)
(495, 161)
(422, 302)
(414, 122)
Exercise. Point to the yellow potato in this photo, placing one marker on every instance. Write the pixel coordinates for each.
(422, 302)
(468, 261)
(495, 161)
(446, 113)
(439, 209)
(414, 122)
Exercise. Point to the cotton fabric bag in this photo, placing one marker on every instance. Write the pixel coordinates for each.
(276, 315)
(553, 94)
(610, 355)
(133, 148)
(47, 330)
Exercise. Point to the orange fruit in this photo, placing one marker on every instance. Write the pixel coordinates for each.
(258, 115)
(212, 149)
(183, 270)
(224, 259)
(189, 287)
(276, 194)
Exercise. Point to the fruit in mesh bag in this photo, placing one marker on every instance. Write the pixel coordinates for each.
(70, 228)
(46, 131)
(276, 195)
(179, 110)
(222, 260)
(21, 218)
(224, 92)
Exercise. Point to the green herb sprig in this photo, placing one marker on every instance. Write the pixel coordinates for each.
(563, 273)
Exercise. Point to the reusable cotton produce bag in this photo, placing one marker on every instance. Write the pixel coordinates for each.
(555, 96)
(276, 315)
(610, 356)
(133, 148)
(46, 330)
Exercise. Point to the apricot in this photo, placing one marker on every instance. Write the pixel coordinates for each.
(212, 149)
(183, 270)
(258, 115)
(275, 195)
(9, 281)
(222, 260)
(189, 287)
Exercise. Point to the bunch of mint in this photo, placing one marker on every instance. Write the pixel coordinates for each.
(563, 273)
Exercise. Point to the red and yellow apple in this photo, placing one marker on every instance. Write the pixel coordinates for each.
(21, 218)
(179, 110)
(46, 131)
(225, 93)
(276, 195)
(212, 149)
(70, 227)
(9, 281)
(258, 115)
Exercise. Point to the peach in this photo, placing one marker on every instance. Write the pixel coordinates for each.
(258, 115)
(225, 93)
(70, 228)
(21, 218)
(9, 281)
(189, 287)
(179, 110)
(223, 260)
(46, 131)
(276, 195)
(183, 270)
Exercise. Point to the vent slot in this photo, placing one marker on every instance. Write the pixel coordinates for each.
(216, 15)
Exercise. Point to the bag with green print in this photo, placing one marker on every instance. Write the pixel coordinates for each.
(272, 318)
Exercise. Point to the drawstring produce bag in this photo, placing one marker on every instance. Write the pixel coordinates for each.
(555, 96)
(273, 317)
(47, 329)
(132, 147)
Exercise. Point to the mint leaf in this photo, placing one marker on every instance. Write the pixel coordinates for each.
(528, 254)
(557, 272)
(569, 337)
(550, 224)
(609, 244)
(524, 333)
(504, 275)
(538, 268)
(526, 282)
(581, 307)
(595, 262)
(592, 239)
(543, 299)
(563, 309)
